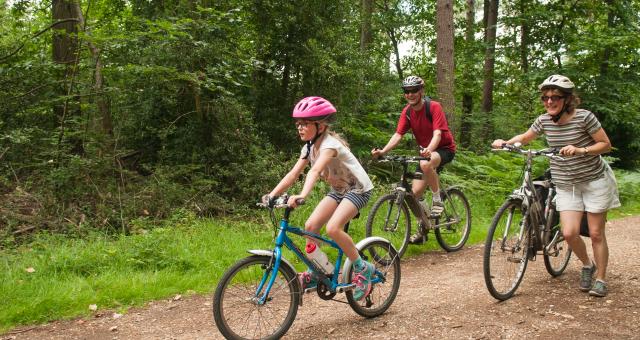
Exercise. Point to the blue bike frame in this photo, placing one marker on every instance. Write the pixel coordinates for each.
(283, 239)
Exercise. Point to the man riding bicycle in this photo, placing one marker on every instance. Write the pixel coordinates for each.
(425, 118)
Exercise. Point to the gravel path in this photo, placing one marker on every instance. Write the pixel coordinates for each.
(442, 296)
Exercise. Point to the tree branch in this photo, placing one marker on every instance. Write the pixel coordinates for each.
(2, 59)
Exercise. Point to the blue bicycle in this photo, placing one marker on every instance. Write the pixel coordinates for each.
(258, 297)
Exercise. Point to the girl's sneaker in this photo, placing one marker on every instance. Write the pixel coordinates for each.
(307, 280)
(362, 280)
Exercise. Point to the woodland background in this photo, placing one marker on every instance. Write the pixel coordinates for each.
(115, 115)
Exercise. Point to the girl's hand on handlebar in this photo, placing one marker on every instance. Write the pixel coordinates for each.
(265, 199)
(295, 200)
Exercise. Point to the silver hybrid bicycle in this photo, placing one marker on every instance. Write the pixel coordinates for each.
(526, 225)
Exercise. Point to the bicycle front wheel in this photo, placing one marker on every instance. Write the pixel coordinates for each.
(391, 221)
(386, 279)
(506, 250)
(238, 310)
(455, 221)
(557, 252)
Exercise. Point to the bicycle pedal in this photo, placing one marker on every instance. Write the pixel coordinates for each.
(310, 290)
(346, 288)
(514, 259)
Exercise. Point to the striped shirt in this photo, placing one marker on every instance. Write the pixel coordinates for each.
(577, 132)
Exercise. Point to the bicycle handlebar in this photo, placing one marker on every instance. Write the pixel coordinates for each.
(279, 202)
(403, 159)
(552, 153)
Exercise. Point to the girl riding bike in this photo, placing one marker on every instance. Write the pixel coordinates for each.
(332, 161)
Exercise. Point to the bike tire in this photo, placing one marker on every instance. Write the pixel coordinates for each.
(505, 258)
(387, 262)
(456, 208)
(391, 221)
(235, 311)
(557, 258)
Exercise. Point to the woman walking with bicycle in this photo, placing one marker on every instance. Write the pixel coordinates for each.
(330, 159)
(584, 181)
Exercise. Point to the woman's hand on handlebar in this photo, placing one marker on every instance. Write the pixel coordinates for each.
(498, 143)
(571, 150)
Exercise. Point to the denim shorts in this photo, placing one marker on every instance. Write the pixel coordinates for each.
(359, 200)
(596, 196)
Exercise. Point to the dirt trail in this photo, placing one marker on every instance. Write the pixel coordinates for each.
(442, 296)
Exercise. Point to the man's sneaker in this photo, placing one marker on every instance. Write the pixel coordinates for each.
(437, 208)
(308, 280)
(362, 280)
(599, 289)
(419, 237)
(586, 276)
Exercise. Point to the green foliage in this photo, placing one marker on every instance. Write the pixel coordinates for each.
(193, 108)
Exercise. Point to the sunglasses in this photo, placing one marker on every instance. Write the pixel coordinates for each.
(553, 98)
(302, 124)
(411, 90)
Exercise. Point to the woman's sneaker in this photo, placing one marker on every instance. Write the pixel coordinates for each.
(599, 289)
(362, 280)
(308, 280)
(586, 276)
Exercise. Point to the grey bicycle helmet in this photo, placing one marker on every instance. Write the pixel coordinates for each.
(559, 82)
(412, 81)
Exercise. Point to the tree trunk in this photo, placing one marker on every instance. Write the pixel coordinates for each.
(491, 14)
(65, 51)
(366, 35)
(396, 51)
(444, 58)
(464, 137)
(64, 37)
(606, 54)
(98, 87)
(524, 37)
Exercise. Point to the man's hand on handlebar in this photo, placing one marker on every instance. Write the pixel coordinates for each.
(376, 153)
(424, 152)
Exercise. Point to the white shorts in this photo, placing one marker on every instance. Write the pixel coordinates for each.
(596, 196)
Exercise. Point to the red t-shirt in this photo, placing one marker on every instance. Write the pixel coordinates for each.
(423, 128)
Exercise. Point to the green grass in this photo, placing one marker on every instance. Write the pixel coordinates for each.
(188, 255)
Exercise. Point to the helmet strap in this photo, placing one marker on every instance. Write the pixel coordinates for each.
(557, 117)
(313, 141)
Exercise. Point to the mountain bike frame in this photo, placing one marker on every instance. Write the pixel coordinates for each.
(405, 193)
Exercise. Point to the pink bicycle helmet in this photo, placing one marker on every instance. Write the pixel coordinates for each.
(313, 108)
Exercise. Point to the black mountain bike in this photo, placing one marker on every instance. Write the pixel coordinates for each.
(390, 218)
(526, 225)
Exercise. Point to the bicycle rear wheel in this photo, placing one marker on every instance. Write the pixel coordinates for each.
(386, 279)
(506, 250)
(558, 253)
(391, 221)
(455, 221)
(237, 312)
